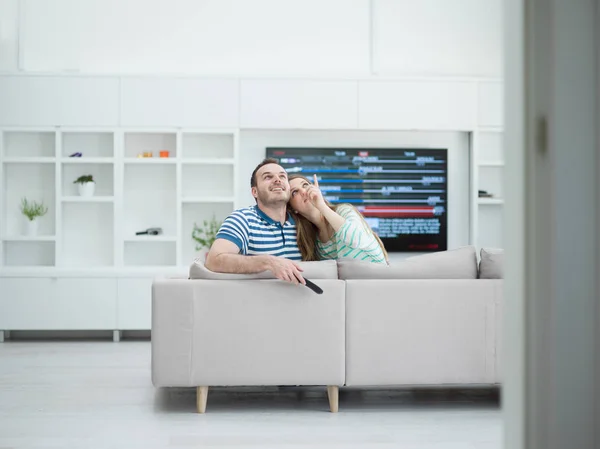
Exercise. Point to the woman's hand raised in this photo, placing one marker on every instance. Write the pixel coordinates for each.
(315, 196)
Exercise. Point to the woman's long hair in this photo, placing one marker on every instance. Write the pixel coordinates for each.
(306, 233)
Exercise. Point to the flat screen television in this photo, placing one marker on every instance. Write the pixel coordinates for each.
(402, 192)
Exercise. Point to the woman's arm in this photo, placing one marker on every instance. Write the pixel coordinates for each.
(355, 238)
(335, 220)
(351, 234)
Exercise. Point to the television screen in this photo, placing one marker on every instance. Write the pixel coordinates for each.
(401, 192)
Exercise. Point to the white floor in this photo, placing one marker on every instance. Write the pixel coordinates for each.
(89, 395)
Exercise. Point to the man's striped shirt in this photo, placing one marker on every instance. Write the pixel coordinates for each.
(254, 233)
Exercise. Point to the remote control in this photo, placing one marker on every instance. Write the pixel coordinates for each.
(315, 288)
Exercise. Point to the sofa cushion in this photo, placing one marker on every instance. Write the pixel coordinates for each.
(325, 269)
(460, 263)
(492, 263)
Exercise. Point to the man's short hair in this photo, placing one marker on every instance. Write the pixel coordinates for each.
(264, 162)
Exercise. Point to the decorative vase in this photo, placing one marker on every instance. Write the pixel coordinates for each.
(86, 189)
(31, 227)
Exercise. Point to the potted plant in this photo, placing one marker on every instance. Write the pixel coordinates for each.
(86, 185)
(32, 210)
(205, 235)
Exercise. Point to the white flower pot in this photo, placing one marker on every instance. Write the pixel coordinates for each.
(86, 189)
(31, 227)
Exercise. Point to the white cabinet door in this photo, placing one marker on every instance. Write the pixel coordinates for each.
(57, 304)
(59, 100)
(209, 103)
(134, 304)
(27, 303)
(298, 104)
(491, 107)
(85, 303)
(417, 105)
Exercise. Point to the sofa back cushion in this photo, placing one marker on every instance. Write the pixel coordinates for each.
(460, 263)
(492, 263)
(325, 269)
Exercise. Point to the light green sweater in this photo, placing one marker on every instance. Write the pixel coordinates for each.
(354, 240)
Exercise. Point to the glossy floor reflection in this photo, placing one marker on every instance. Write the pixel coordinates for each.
(99, 395)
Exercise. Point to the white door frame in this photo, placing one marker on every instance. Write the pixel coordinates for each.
(551, 392)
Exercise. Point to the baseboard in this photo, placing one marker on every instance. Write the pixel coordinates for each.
(76, 335)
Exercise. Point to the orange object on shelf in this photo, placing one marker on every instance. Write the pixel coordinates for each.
(164, 154)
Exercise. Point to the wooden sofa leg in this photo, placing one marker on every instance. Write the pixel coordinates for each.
(333, 394)
(201, 397)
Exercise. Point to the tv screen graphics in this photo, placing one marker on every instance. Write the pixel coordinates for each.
(401, 192)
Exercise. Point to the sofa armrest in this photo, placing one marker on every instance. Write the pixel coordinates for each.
(172, 331)
(247, 332)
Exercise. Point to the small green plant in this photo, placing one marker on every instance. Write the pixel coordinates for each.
(84, 179)
(206, 234)
(33, 209)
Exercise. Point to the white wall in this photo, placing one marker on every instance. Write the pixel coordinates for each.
(254, 143)
(322, 66)
(214, 37)
(437, 37)
(310, 38)
(9, 32)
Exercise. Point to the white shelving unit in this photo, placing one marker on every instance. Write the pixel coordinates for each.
(487, 172)
(195, 181)
(86, 268)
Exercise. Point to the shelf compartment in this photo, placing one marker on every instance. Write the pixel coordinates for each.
(150, 160)
(144, 142)
(151, 238)
(26, 238)
(29, 254)
(149, 254)
(36, 183)
(103, 176)
(149, 199)
(209, 161)
(197, 213)
(491, 180)
(84, 199)
(490, 147)
(207, 199)
(207, 180)
(207, 145)
(29, 144)
(87, 235)
(490, 227)
(87, 160)
(90, 144)
(30, 160)
(490, 201)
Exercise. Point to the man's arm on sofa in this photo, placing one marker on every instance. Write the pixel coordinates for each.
(224, 257)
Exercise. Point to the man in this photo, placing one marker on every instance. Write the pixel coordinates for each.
(264, 231)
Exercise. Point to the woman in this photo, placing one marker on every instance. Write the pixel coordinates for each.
(326, 231)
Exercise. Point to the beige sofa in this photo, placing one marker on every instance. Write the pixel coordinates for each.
(429, 320)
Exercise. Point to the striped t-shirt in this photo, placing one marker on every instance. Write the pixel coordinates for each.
(354, 240)
(254, 232)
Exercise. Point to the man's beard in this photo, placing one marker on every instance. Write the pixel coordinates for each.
(269, 199)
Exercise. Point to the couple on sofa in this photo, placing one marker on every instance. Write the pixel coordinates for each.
(291, 221)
